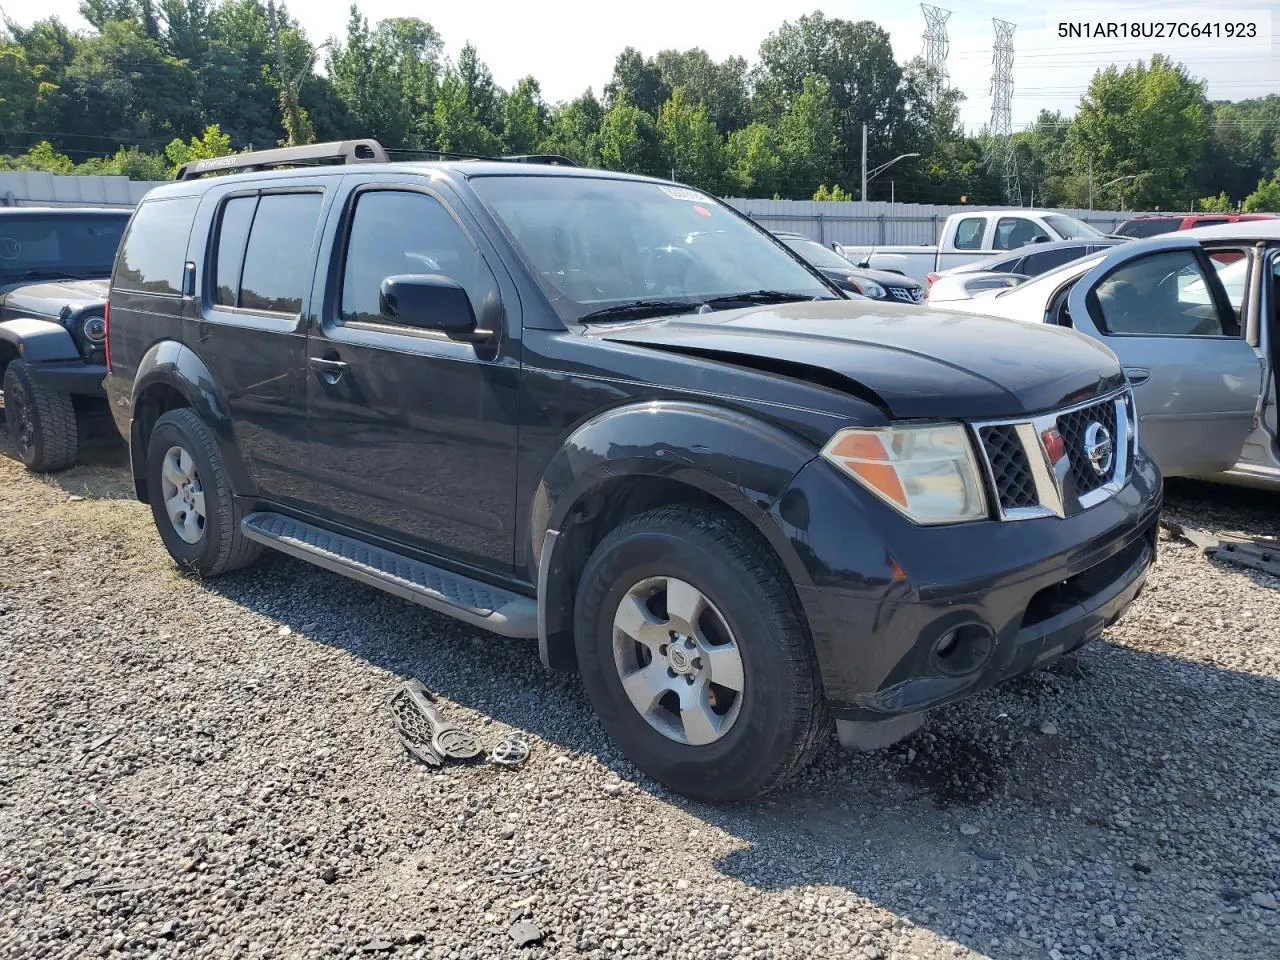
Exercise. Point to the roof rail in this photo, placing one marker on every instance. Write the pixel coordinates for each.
(343, 151)
(552, 159)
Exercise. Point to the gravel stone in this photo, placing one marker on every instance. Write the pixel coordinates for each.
(171, 760)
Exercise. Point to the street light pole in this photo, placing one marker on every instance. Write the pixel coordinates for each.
(864, 163)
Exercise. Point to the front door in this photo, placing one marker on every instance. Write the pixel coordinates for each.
(1165, 314)
(413, 434)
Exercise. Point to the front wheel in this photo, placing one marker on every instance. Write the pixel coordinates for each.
(696, 655)
(42, 422)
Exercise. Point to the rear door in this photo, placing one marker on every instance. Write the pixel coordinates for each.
(1160, 307)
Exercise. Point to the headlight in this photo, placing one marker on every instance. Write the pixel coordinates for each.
(868, 288)
(95, 329)
(928, 473)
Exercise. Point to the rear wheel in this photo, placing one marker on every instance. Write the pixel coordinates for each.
(696, 656)
(195, 511)
(42, 422)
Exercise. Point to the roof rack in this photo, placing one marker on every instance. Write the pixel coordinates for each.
(342, 152)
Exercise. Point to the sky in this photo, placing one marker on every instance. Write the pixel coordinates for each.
(570, 45)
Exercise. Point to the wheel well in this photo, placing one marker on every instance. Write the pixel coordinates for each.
(154, 402)
(589, 520)
(7, 352)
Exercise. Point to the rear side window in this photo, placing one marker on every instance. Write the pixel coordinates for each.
(264, 260)
(155, 250)
(1139, 229)
(1038, 263)
(969, 234)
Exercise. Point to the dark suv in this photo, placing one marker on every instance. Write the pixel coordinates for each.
(610, 413)
(54, 268)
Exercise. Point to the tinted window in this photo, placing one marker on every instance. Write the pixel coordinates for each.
(277, 260)
(155, 251)
(59, 245)
(398, 232)
(1014, 232)
(969, 234)
(233, 234)
(1210, 221)
(1038, 263)
(1148, 228)
(1069, 228)
(1162, 295)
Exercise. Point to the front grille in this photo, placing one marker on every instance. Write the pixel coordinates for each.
(907, 294)
(1074, 427)
(1010, 469)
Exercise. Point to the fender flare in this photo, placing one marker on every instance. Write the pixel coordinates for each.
(39, 341)
(735, 458)
(172, 365)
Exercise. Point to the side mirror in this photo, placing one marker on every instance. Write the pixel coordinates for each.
(429, 302)
(1040, 238)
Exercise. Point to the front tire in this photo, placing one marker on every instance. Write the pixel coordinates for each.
(195, 510)
(696, 655)
(42, 422)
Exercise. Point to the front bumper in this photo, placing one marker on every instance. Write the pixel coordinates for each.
(883, 595)
(71, 376)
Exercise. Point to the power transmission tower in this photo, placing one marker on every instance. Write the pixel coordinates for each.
(936, 44)
(1001, 127)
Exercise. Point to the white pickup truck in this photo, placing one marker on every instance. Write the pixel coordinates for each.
(967, 237)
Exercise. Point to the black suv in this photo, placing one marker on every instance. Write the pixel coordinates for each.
(54, 270)
(610, 413)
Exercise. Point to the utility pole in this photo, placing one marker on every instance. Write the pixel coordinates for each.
(892, 185)
(864, 163)
(936, 46)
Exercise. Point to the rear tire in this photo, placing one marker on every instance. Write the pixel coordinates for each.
(755, 737)
(195, 510)
(42, 422)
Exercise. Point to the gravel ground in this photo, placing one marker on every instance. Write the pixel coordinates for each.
(208, 770)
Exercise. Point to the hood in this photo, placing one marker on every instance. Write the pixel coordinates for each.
(50, 296)
(886, 278)
(913, 362)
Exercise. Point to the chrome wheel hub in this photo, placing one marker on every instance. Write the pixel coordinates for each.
(678, 661)
(183, 494)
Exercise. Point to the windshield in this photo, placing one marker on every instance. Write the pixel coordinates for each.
(817, 254)
(57, 245)
(596, 242)
(1069, 228)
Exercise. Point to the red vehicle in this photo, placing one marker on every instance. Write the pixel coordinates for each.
(1153, 224)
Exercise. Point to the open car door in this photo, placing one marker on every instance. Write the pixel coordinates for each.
(1159, 305)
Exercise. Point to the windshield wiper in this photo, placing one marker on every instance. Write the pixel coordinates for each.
(638, 309)
(760, 296)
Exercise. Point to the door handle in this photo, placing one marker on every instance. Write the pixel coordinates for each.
(1137, 375)
(330, 371)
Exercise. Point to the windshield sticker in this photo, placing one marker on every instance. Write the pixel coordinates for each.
(699, 208)
(680, 193)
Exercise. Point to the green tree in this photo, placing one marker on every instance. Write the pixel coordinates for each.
(807, 139)
(836, 192)
(1219, 204)
(719, 87)
(573, 130)
(1266, 198)
(863, 80)
(44, 158)
(467, 116)
(638, 82)
(693, 146)
(753, 160)
(629, 141)
(212, 143)
(524, 117)
(1148, 122)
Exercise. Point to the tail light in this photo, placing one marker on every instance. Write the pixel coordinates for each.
(106, 327)
(930, 278)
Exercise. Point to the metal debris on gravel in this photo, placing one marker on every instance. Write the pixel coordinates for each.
(235, 818)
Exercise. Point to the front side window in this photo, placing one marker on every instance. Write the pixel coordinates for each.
(1163, 295)
(396, 232)
(595, 242)
(277, 259)
(155, 251)
(1011, 233)
(969, 233)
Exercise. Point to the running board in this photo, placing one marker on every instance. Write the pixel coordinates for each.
(472, 601)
